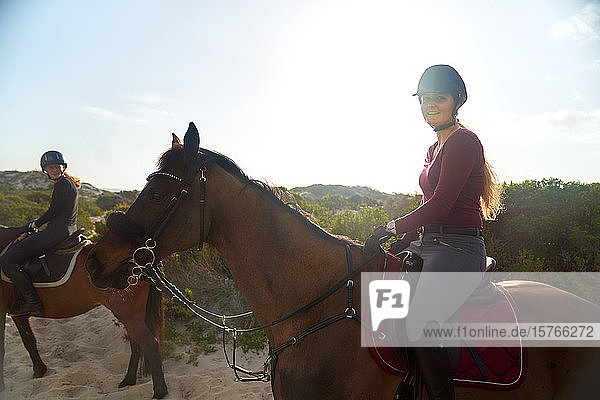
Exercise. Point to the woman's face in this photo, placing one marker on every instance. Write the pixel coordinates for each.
(54, 170)
(437, 108)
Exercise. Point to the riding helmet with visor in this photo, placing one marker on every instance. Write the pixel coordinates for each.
(443, 79)
(52, 157)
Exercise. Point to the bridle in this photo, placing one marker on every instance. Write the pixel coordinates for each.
(152, 273)
(198, 167)
(150, 236)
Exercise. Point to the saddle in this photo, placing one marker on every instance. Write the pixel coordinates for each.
(54, 267)
(500, 368)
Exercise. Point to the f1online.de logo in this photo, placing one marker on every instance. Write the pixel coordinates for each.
(389, 300)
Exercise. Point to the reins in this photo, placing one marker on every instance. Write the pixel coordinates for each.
(152, 273)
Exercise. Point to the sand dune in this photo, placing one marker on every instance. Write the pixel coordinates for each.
(87, 358)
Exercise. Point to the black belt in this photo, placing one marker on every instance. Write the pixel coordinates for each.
(450, 230)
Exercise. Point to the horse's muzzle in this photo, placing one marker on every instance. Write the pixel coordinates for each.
(116, 279)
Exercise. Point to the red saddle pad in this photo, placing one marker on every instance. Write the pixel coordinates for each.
(506, 367)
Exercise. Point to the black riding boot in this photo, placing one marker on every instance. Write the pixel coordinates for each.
(436, 370)
(31, 304)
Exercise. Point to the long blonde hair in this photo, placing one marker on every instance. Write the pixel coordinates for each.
(491, 199)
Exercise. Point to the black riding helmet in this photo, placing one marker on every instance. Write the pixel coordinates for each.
(52, 157)
(443, 79)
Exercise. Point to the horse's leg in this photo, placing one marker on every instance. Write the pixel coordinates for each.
(139, 333)
(140, 318)
(131, 375)
(28, 338)
(2, 331)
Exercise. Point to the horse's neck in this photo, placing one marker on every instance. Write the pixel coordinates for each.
(278, 262)
(7, 235)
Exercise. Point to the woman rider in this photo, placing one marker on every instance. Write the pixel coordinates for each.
(61, 217)
(459, 191)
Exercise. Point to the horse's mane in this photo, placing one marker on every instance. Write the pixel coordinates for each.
(173, 157)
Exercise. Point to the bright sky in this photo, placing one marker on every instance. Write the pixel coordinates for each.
(297, 92)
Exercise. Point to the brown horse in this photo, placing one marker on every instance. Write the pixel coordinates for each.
(281, 261)
(138, 307)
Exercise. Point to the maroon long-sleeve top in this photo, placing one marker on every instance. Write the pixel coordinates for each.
(452, 184)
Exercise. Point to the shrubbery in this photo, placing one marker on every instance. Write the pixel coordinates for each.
(18, 209)
(354, 217)
(547, 225)
(205, 279)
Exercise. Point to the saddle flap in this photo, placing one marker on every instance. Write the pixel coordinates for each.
(56, 271)
(497, 368)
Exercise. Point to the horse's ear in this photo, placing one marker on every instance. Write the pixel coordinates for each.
(191, 142)
(176, 142)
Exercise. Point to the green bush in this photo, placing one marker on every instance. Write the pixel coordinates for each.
(17, 209)
(204, 279)
(108, 201)
(547, 225)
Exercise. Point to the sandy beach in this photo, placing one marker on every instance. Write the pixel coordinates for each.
(87, 358)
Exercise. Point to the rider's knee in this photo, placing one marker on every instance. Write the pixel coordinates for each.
(8, 266)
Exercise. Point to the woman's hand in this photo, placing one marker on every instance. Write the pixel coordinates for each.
(379, 235)
(400, 244)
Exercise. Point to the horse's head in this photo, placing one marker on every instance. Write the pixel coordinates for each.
(169, 215)
(7, 234)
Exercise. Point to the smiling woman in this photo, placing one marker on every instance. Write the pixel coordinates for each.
(61, 217)
(458, 192)
(437, 108)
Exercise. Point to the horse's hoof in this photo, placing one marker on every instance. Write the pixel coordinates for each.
(39, 372)
(127, 382)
